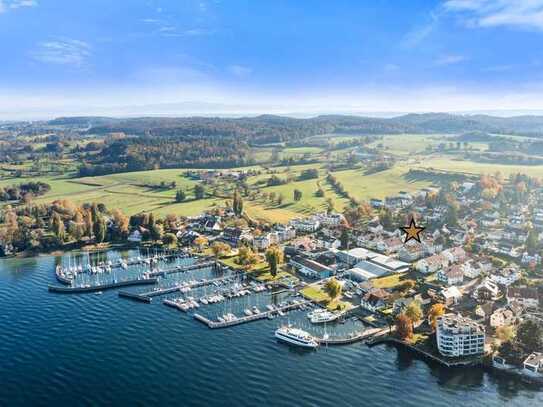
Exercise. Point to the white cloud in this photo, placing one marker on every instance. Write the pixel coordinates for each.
(63, 52)
(240, 70)
(494, 13)
(22, 3)
(449, 59)
(15, 4)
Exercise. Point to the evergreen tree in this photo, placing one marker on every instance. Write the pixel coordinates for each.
(180, 195)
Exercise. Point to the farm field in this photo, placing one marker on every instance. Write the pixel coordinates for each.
(135, 192)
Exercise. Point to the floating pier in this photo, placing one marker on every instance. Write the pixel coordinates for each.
(101, 287)
(241, 320)
(177, 269)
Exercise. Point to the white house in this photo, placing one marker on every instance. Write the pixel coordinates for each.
(307, 225)
(506, 276)
(431, 264)
(452, 275)
(533, 365)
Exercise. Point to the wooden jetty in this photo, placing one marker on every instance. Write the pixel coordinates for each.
(242, 320)
(101, 287)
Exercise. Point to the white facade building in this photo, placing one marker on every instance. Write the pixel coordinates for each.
(459, 336)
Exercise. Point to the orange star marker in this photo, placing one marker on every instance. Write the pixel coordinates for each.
(412, 231)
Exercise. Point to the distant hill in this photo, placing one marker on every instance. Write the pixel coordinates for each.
(271, 128)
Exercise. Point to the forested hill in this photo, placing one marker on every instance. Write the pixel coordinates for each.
(270, 128)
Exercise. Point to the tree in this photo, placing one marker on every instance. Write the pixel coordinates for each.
(57, 225)
(200, 241)
(246, 256)
(333, 288)
(404, 327)
(169, 239)
(219, 249)
(344, 238)
(297, 195)
(505, 333)
(414, 311)
(330, 205)
(385, 217)
(199, 191)
(156, 231)
(511, 352)
(180, 195)
(99, 229)
(274, 257)
(530, 336)
(120, 220)
(532, 241)
(237, 203)
(434, 313)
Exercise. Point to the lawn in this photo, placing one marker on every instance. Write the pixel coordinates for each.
(390, 281)
(380, 184)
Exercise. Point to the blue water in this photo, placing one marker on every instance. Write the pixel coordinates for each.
(91, 349)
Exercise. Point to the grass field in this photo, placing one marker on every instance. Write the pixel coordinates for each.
(133, 192)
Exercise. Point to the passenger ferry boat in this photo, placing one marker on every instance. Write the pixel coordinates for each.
(320, 316)
(295, 336)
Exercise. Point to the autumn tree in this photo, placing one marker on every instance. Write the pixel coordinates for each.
(237, 203)
(505, 333)
(414, 311)
(434, 313)
(219, 249)
(200, 242)
(246, 256)
(57, 226)
(404, 327)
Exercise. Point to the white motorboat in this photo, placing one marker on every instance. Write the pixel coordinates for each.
(297, 337)
(321, 316)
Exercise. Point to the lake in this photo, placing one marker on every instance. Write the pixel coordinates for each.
(87, 349)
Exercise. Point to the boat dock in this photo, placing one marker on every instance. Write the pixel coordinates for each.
(101, 287)
(241, 320)
(147, 296)
(357, 337)
(177, 269)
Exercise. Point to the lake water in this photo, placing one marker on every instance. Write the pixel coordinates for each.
(87, 349)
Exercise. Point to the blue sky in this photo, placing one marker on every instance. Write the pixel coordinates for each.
(163, 56)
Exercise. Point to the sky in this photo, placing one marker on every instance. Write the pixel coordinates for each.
(178, 57)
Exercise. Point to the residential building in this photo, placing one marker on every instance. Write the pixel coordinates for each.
(305, 225)
(506, 276)
(452, 275)
(459, 336)
(527, 297)
(431, 264)
(533, 365)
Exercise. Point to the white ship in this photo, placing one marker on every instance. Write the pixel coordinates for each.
(295, 336)
(320, 316)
